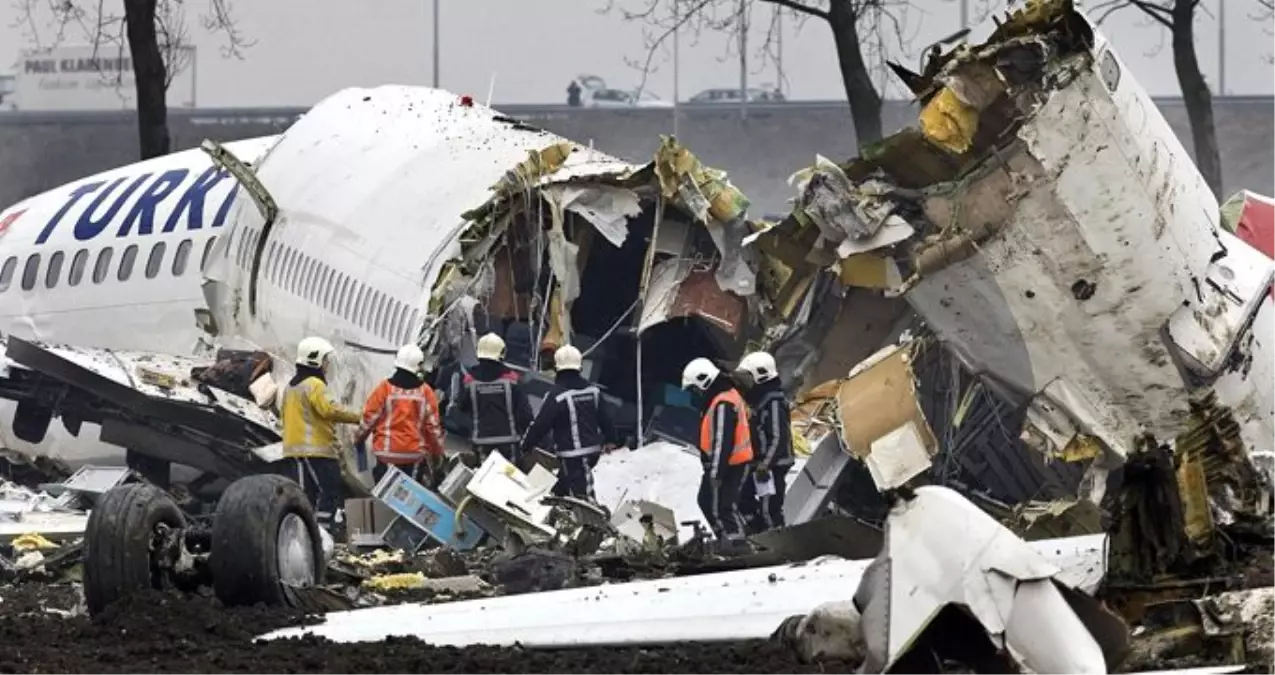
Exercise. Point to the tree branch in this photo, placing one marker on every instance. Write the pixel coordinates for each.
(1157, 12)
(799, 7)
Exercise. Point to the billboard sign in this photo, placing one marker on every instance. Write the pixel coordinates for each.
(92, 78)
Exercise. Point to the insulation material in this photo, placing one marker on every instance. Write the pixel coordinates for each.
(706, 192)
(869, 270)
(606, 207)
(562, 260)
(661, 291)
(879, 399)
(949, 122)
(841, 208)
(707, 195)
(892, 231)
(951, 118)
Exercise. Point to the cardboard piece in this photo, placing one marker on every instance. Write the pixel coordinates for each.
(879, 398)
(366, 516)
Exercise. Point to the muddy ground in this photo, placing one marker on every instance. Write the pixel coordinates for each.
(162, 633)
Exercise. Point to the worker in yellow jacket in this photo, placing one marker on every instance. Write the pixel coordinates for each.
(310, 453)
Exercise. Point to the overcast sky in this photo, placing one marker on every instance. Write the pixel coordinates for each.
(306, 49)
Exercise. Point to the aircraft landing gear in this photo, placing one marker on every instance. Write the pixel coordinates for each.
(262, 546)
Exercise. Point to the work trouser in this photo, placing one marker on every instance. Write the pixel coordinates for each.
(426, 472)
(719, 500)
(575, 477)
(320, 478)
(764, 513)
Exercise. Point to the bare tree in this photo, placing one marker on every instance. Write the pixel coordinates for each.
(155, 33)
(1178, 18)
(859, 31)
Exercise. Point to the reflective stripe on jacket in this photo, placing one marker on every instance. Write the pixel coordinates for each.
(403, 423)
(726, 408)
(492, 406)
(310, 419)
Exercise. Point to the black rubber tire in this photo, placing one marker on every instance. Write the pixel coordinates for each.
(244, 562)
(117, 539)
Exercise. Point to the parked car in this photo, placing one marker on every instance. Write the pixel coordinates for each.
(725, 95)
(618, 98)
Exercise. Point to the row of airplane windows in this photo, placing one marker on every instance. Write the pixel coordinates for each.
(295, 272)
(101, 266)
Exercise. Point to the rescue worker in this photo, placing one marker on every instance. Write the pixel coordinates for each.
(310, 454)
(582, 430)
(726, 447)
(401, 416)
(771, 422)
(497, 408)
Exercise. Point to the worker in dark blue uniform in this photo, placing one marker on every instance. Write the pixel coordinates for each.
(495, 403)
(582, 430)
(771, 419)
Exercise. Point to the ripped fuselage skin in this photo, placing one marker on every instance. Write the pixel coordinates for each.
(1068, 251)
(472, 222)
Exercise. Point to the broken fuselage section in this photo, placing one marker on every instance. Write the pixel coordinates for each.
(1052, 232)
(401, 214)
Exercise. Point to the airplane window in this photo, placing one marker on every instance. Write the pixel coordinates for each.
(396, 328)
(356, 303)
(311, 279)
(6, 273)
(330, 287)
(203, 258)
(55, 268)
(156, 259)
(361, 307)
(126, 262)
(243, 244)
(30, 272)
(411, 326)
(343, 307)
(333, 292)
(298, 282)
(320, 281)
(181, 256)
(324, 292)
(303, 264)
(102, 265)
(253, 236)
(290, 276)
(272, 260)
(78, 263)
(378, 321)
(408, 317)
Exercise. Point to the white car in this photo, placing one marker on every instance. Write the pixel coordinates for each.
(618, 98)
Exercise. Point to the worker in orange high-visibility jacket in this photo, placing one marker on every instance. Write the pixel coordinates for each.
(726, 449)
(401, 417)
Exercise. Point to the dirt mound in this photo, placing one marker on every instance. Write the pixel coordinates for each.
(165, 633)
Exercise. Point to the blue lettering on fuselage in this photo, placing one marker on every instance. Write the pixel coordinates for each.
(110, 198)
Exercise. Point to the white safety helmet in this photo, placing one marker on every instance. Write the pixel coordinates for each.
(760, 366)
(700, 373)
(409, 358)
(312, 351)
(491, 346)
(567, 358)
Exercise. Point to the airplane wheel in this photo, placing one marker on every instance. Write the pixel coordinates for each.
(118, 541)
(266, 542)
